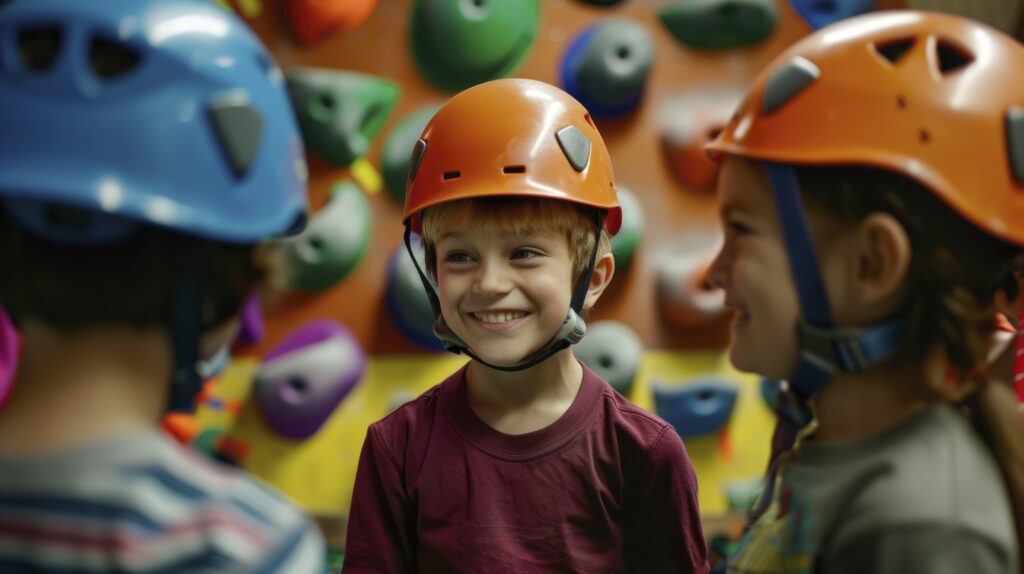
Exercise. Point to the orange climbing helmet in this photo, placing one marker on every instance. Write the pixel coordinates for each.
(935, 97)
(511, 137)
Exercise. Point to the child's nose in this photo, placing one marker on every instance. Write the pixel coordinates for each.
(492, 277)
(718, 272)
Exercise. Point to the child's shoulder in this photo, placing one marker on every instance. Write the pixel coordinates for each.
(145, 490)
(415, 414)
(266, 526)
(200, 485)
(632, 423)
(931, 470)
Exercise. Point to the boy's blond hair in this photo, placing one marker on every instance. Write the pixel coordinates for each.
(521, 215)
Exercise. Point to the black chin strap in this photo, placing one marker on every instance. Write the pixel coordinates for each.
(571, 332)
(186, 330)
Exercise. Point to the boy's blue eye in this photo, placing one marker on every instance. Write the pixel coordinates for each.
(457, 257)
(524, 254)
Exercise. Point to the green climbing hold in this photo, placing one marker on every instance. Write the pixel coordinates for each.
(720, 24)
(333, 243)
(340, 113)
(461, 43)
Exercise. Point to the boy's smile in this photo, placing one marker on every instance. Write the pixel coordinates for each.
(498, 319)
(503, 293)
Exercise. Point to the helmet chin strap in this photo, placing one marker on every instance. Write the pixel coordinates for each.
(824, 349)
(571, 332)
(186, 330)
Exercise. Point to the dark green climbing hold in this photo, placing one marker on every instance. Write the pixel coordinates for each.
(340, 113)
(720, 24)
(460, 43)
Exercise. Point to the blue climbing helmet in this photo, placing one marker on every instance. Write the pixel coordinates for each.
(144, 112)
(122, 114)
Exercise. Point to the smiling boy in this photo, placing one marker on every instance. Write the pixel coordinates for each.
(523, 460)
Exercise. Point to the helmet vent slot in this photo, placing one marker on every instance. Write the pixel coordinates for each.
(894, 50)
(951, 57)
(450, 175)
(39, 47)
(110, 59)
(514, 169)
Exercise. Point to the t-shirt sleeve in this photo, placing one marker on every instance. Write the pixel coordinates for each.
(381, 524)
(662, 528)
(919, 550)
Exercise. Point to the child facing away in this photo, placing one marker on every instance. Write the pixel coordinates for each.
(523, 460)
(147, 147)
(880, 162)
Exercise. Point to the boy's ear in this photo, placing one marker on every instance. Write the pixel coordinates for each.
(604, 270)
(881, 260)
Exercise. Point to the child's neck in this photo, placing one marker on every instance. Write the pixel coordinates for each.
(856, 406)
(524, 401)
(74, 389)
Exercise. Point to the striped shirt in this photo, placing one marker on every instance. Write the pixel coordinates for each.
(145, 504)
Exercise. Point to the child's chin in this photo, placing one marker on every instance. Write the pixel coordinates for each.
(500, 358)
(746, 364)
(741, 361)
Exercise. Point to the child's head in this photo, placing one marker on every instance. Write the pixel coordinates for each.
(513, 165)
(887, 92)
(140, 166)
(886, 247)
(507, 260)
(880, 162)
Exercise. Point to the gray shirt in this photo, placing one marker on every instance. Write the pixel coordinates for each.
(926, 496)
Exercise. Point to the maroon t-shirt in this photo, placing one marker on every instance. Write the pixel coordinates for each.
(605, 488)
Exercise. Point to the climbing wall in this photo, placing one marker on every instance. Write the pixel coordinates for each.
(347, 337)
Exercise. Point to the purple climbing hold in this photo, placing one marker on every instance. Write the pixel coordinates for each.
(252, 330)
(10, 346)
(306, 376)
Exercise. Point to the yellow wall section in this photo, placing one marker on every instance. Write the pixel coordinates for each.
(319, 472)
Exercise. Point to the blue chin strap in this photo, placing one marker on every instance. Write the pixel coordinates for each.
(824, 349)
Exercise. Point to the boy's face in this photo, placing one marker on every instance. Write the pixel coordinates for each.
(504, 294)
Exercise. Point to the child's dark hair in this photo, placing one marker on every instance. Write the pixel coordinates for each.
(132, 282)
(954, 274)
